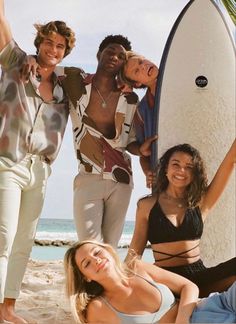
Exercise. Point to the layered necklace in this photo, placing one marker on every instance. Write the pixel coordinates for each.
(104, 100)
(179, 202)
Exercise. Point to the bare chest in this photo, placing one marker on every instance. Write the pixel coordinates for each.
(46, 90)
(175, 213)
(103, 116)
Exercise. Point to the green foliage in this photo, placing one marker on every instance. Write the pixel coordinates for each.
(230, 5)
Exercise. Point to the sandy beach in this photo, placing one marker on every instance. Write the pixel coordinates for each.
(42, 299)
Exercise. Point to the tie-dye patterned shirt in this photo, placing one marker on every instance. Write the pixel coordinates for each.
(96, 153)
(28, 124)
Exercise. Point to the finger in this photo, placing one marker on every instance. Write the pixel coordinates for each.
(26, 69)
(154, 138)
(34, 69)
(24, 74)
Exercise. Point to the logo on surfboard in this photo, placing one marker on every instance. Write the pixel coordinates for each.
(201, 81)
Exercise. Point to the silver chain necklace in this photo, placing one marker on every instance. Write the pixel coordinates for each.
(180, 202)
(104, 101)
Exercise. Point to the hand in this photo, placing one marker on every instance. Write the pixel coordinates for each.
(29, 66)
(146, 148)
(150, 179)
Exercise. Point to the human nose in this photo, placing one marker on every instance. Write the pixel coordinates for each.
(53, 48)
(114, 57)
(179, 168)
(98, 260)
(183, 169)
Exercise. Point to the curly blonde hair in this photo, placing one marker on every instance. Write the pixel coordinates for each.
(51, 27)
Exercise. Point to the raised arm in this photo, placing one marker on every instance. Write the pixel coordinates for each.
(219, 182)
(139, 239)
(5, 32)
(147, 170)
(141, 149)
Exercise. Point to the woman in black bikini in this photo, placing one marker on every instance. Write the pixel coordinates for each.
(172, 219)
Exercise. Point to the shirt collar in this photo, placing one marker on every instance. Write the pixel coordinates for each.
(89, 78)
(58, 74)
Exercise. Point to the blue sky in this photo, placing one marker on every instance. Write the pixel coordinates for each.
(147, 25)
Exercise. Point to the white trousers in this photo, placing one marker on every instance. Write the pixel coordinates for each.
(22, 191)
(100, 208)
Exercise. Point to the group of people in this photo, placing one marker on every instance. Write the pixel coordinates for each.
(107, 122)
(34, 109)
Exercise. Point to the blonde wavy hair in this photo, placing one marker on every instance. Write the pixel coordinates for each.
(56, 26)
(79, 291)
(122, 76)
(123, 79)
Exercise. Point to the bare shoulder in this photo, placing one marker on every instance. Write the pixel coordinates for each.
(146, 203)
(148, 270)
(97, 307)
(145, 269)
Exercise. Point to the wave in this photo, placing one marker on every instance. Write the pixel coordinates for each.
(61, 238)
(56, 236)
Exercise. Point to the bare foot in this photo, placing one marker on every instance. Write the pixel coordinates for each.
(14, 319)
(7, 311)
(1, 316)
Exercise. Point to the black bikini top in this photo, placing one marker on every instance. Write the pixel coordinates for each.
(161, 230)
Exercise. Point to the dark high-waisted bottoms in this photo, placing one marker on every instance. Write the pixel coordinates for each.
(201, 275)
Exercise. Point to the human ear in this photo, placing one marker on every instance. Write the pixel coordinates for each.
(166, 172)
(98, 55)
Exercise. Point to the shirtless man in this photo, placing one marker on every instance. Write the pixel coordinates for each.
(102, 118)
(33, 118)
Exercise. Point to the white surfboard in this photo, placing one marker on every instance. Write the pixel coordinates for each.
(195, 104)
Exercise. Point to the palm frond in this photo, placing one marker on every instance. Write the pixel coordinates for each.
(230, 5)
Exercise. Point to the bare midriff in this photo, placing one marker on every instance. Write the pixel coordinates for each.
(190, 248)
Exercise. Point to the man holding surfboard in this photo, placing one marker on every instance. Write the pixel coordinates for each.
(139, 72)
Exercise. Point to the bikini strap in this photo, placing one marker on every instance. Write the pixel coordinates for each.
(108, 304)
(178, 255)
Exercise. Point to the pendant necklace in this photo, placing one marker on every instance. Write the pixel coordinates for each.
(104, 101)
(180, 202)
(38, 75)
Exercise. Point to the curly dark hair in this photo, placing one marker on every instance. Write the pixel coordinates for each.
(59, 27)
(115, 39)
(199, 184)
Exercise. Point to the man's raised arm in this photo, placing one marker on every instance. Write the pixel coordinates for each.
(5, 32)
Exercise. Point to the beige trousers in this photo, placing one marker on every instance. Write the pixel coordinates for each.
(22, 190)
(100, 207)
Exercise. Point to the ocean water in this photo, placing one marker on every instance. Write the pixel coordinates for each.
(64, 230)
